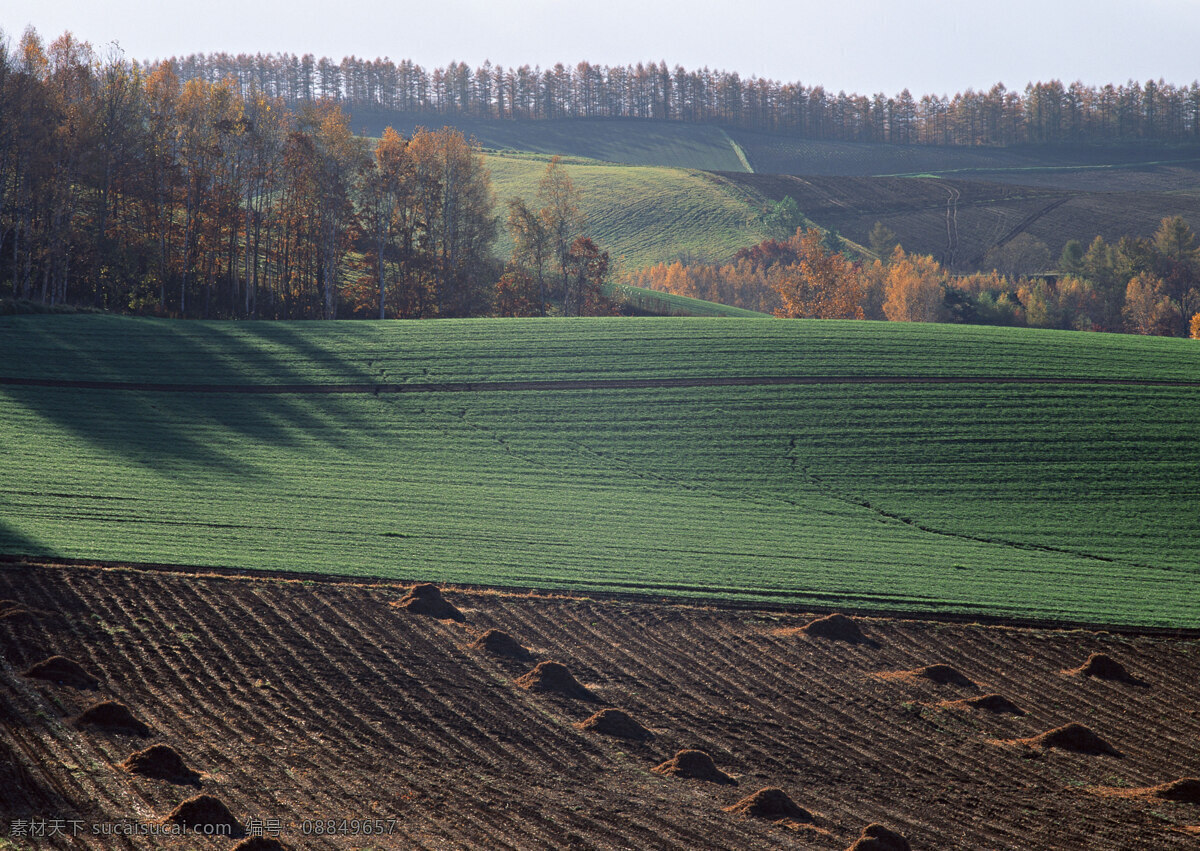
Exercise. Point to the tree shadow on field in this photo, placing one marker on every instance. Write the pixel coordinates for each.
(16, 543)
(183, 429)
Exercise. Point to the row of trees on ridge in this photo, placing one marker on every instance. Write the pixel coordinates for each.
(1043, 112)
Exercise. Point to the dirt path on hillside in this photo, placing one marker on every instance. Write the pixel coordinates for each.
(585, 384)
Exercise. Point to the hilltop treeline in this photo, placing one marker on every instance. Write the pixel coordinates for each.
(130, 189)
(1044, 112)
(1140, 286)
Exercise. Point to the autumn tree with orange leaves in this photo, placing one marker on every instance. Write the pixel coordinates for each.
(915, 288)
(821, 284)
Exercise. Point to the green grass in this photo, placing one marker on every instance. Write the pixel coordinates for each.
(668, 304)
(642, 215)
(1073, 502)
(672, 144)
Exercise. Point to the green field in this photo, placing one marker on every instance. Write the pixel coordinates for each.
(642, 215)
(673, 144)
(661, 303)
(1066, 501)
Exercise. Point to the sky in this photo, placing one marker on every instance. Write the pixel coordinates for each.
(864, 46)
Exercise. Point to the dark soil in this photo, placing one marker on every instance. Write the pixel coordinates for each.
(1104, 667)
(694, 765)
(500, 643)
(162, 762)
(112, 716)
(615, 722)
(876, 837)
(64, 671)
(427, 599)
(260, 843)
(366, 711)
(836, 626)
(997, 703)
(554, 677)
(771, 803)
(943, 675)
(204, 810)
(1185, 790)
(1073, 737)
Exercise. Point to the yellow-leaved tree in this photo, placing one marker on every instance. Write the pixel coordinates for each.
(915, 288)
(821, 284)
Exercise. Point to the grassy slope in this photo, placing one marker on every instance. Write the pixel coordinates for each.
(642, 214)
(661, 303)
(656, 143)
(1055, 501)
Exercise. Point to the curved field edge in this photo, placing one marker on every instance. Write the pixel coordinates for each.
(132, 350)
(1072, 502)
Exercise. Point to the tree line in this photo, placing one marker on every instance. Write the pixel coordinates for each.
(1043, 112)
(1134, 285)
(129, 189)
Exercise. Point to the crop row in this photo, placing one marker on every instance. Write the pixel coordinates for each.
(1072, 502)
(142, 350)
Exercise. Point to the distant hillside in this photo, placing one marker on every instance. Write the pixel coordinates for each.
(782, 153)
(984, 197)
(643, 215)
(959, 220)
(634, 142)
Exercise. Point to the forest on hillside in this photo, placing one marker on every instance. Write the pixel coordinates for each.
(1044, 112)
(1138, 286)
(139, 192)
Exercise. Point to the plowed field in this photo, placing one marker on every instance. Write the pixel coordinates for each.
(312, 701)
(959, 217)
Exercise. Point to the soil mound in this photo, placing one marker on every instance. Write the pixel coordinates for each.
(836, 626)
(1184, 791)
(427, 599)
(554, 677)
(997, 703)
(694, 765)
(201, 811)
(64, 671)
(615, 722)
(260, 843)
(771, 803)
(500, 643)
(876, 837)
(162, 762)
(110, 715)
(1104, 667)
(943, 675)
(1073, 737)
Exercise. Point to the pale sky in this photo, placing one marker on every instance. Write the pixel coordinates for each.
(865, 46)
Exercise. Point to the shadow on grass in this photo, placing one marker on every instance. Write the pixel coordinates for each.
(169, 428)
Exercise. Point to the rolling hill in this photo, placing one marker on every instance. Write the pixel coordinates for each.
(670, 144)
(697, 191)
(979, 471)
(958, 219)
(642, 215)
